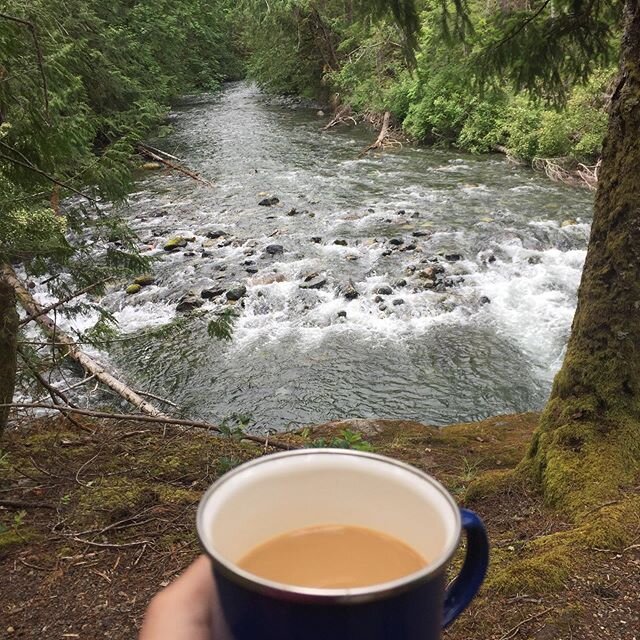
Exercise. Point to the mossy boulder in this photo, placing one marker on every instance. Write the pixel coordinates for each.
(175, 243)
(145, 280)
(151, 166)
(133, 288)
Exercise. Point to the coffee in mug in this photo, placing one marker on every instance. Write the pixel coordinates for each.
(332, 556)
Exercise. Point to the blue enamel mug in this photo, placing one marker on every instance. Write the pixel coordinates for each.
(283, 492)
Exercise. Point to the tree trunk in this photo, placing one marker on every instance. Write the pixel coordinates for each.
(587, 445)
(8, 347)
(71, 349)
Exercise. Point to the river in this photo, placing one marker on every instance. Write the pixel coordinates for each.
(484, 336)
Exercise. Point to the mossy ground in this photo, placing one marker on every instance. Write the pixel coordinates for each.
(121, 524)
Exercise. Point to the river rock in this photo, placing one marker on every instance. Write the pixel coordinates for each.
(316, 282)
(386, 252)
(175, 243)
(293, 212)
(145, 280)
(316, 239)
(396, 242)
(189, 301)
(452, 257)
(251, 269)
(384, 290)
(420, 234)
(320, 113)
(400, 283)
(397, 302)
(215, 234)
(412, 246)
(568, 223)
(409, 270)
(382, 307)
(485, 300)
(189, 254)
(213, 292)
(274, 249)
(402, 212)
(341, 242)
(348, 290)
(133, 288)
(268, 202)
(491, 259)
(534, 260)
(431, 273)
(151, 166)
(415, 214)
(268, 278)
(342, 314)
(378, 299)
(235, 293)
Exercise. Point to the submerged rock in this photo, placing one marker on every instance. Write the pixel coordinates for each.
(485, 300)
(189, 301)
(400, 283)
(341, 242)
(384, 290)
(274, 249)
(396, 242)
(133, 288)
(215, 234)
(268, 202)
(348, 290)
(237, 292)
(397, 302)
(213, 292)
(452, 257)
(342, 314)
(317, 282)
(251, 269)
(268, 278)
(316, 239)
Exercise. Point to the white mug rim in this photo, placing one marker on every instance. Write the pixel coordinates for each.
(326, 596)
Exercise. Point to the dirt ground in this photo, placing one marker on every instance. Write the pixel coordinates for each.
(93, 523)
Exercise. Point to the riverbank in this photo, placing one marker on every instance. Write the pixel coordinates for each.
(112, 507)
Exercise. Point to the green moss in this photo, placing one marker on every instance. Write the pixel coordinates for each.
(175, 243)
(145, 280)
(133, 288)
(11, 538)
(490, 483)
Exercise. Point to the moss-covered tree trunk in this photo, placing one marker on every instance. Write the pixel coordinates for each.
(588, 442)
(8, 346)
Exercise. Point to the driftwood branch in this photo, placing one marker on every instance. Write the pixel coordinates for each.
(160, 152)
(181, 422)
(384, 132)
(21, 504)
(59, 303)
(36, 43)
(146, 151)
(89, 364)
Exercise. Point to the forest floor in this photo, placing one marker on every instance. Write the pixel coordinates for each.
(93, 523)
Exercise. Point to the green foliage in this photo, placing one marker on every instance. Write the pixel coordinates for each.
(346, 440)
(221, 327)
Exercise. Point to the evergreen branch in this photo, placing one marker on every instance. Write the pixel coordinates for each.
(36, 43)
(35, 169)
(516, 30)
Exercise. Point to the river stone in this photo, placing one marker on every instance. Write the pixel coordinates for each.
(420, 234)
(236, 293)
(268, 278)
(382, 307)
(175, 243)
(189, 302)
(215, 234)
(567, 223)
(485, 300)
(491, 259)
(452, 257)
(396, 242)
(213, 292)
(189, 254)
(415, 214)
(378, 299)
(400, 283)
(252, 270)
(150, 166)
(145, 280)
(348, 290)
(316, 239)
(268, 202)
(386, 252)
(133, 288)
(397, 302)
(533, 260)
(384, 290)
(402, 212)
(341, 242)
(409, 270)
(317, 282)
(342, 314)
(274, 249)
(293, 212)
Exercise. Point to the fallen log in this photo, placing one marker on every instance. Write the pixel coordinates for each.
(145, 151)
(90, 365)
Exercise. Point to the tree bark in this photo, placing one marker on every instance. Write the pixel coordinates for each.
(8, 347)
(71, 349)
(587, 445)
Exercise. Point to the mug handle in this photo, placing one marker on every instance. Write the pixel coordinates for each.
(466, 585)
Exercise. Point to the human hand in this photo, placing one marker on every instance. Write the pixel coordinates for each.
(185, 609)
